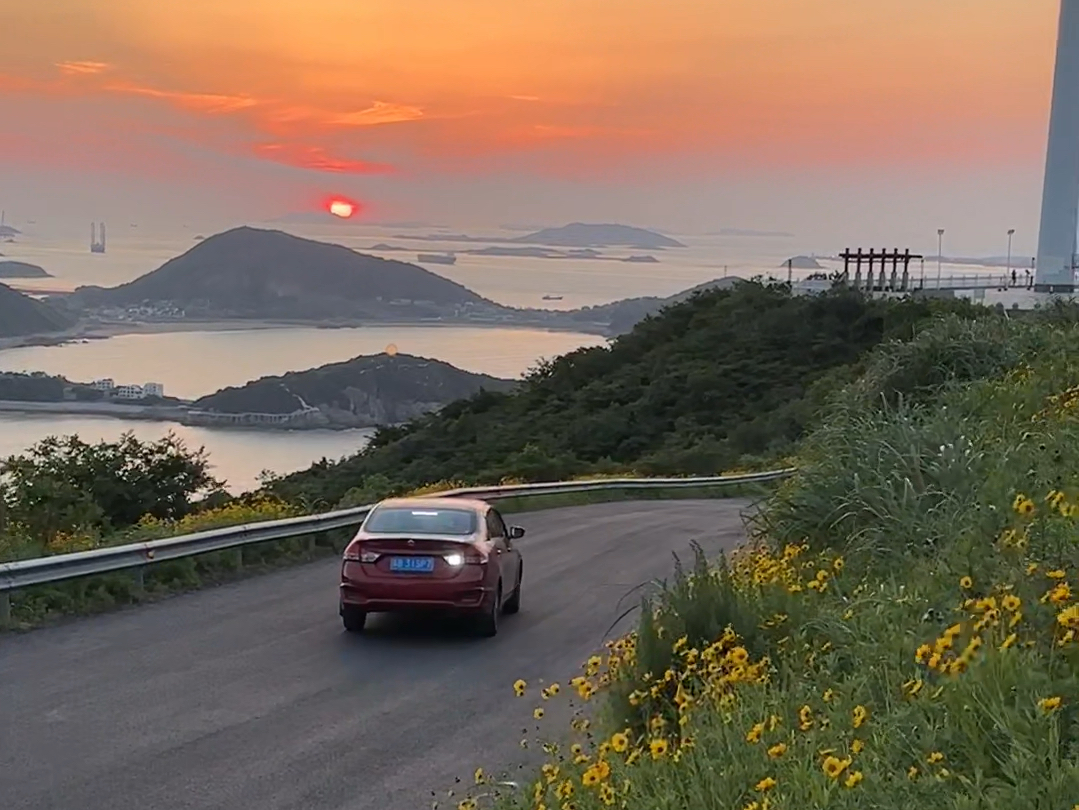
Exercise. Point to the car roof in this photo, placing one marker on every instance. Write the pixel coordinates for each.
(474, 504)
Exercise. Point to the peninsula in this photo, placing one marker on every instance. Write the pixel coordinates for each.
(21, 315)
(366, 391)
(14, 269)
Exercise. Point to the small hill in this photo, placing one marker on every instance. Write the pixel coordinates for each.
(13, 269)
(725, 374)
(252, 273)
(21, 315)
(803, 263)
(621, 316)
(366, 391)
(581, 234)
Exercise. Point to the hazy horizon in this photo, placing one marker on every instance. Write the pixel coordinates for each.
(780, 116)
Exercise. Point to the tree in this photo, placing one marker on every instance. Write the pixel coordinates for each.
(64, 483)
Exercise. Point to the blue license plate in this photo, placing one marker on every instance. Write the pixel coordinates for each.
(412, 565)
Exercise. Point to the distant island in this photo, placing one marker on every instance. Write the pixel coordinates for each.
(581, 234)
(13, 269)
(803, 263)
(249, 273)
(536, 252)
(366, 391)
(576, 234)
(385, 247)
(21, 315)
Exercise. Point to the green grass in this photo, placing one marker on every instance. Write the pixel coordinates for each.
(921, 499)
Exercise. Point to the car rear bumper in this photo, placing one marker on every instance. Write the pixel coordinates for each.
(375, 599)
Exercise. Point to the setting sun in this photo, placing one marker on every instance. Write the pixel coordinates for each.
(342, 208)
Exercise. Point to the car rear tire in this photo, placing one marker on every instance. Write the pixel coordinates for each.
(353, 618)
(513, 604)
(487, 623)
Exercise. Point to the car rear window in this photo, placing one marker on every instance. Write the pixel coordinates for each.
(403, 520)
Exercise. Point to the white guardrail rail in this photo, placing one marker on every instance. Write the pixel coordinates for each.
(60, 567)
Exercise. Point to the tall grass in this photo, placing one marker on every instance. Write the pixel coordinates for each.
(904, 631)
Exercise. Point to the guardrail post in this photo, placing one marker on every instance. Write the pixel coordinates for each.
(140, 579)
(239, 557)
(5, 610)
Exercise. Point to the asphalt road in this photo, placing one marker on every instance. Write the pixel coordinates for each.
(252, 696)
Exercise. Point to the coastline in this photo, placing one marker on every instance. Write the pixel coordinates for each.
(103, 331)
(166, 413)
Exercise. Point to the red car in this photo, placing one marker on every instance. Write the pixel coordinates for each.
(446, 554)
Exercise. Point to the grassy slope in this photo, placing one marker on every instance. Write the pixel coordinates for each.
(695, 389)
(905, 634)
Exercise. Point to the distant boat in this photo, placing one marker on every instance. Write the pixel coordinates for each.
(552, 298)
(437, 258)
(199, 238)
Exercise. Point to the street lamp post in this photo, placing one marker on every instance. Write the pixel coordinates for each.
(940, 249)
(1009, 276)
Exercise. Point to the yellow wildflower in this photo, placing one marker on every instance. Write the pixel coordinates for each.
(777, 750)
(1050, 704)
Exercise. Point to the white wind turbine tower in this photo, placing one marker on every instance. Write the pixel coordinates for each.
(1054, 271)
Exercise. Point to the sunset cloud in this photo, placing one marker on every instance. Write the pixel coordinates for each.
(430, 86)
(82, 68)
(315, 158)
(380, 112)
(210, 103)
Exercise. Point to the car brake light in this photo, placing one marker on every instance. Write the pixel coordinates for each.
(475, 558)
(357, 553)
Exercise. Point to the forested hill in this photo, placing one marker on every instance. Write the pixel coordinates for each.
(250, 272)
(361, 392)
(694, 389)
(22, 315)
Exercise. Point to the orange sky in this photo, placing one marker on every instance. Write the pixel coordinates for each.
(573, 88)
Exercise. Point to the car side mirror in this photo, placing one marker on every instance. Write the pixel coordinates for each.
(516, 532)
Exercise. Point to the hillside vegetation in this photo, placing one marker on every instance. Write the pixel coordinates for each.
(364, 391)
(724, 375)
(22, 315)
(902, 633)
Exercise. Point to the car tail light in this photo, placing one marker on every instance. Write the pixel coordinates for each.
(474, 557)
(355, 552)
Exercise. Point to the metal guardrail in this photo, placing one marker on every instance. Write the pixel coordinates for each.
(60, 567)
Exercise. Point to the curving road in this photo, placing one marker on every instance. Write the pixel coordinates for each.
(251, 695)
